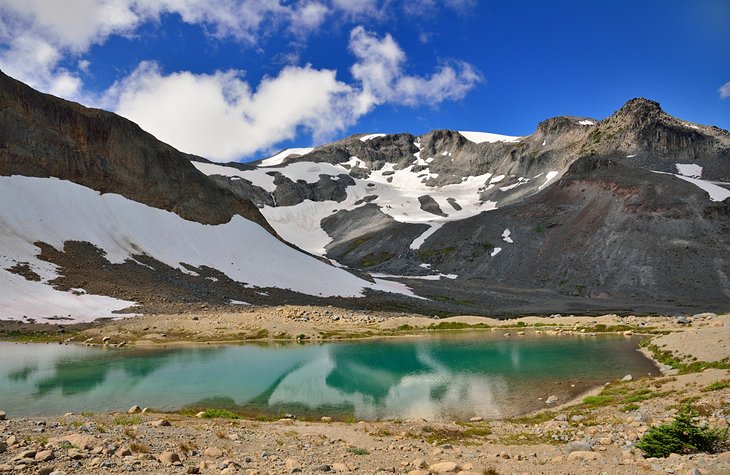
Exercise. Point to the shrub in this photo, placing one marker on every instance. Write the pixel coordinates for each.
(219, 414)
(682, 436)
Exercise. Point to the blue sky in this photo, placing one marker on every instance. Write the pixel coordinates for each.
(240, 79)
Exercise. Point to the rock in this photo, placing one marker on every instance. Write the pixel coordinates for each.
(3, 447)
(6, 467)
(442, 467)
(74, 454)
(682, 320)
(605, 441)
(123, 452)
(12, 440)
(551, 400)
(134, 410)
(321, 468)
(476, 419)
(578, 446)
(419, 472)
(192, 470)
(561, 417)
(44, 456)
(419, 463)
(584, 456)
(26, 454)
(213, 452)
(326, 419)
(694, 471)
(160, 423)
(168, 457)
(627, 378)
(292, 466)
(200, 414)
(577, 418)
(2, 415)
(57, 472)
(228, 470)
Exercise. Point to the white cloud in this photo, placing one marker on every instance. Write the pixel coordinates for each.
(219, 116)
(725, 90)
(379, 68)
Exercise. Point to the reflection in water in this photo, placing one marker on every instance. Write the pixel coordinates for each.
(434, 378)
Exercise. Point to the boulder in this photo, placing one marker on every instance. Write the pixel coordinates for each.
(443, 467)
(551, 400)
(584, 456)
(578, 446)
(168, 457)
(134, 410)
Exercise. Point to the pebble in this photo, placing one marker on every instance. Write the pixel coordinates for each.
(169, 457)
(442, 467)
(584, 456)
(551, 400)
(627, 378)
(213, 452)
(476, 419)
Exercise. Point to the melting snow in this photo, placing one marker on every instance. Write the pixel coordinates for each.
(496, 179)
(419, 277)
(56, 211)
(259, 178)
(482, 137)
(279, 158)
(370, 137)
(691, 170)
(716, 192)
(548, 179)
(505, 236)
(418, 242)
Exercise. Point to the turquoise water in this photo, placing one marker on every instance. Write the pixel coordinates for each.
(439, 377)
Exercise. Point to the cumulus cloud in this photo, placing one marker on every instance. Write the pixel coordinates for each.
(379, 68)
(725, 90)
(221, 117)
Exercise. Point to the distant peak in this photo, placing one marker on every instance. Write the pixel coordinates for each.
(640, 106)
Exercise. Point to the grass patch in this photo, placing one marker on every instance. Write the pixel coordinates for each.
(597, 401)
(374, 258)
(456, 326)
(630, 407)
(717, 385)
(431, 253)
(358, 451)
(668, 358)
(219, 414)
(127, 420)
(467, 434)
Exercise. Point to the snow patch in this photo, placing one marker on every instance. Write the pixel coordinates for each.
(506, 236)
(548, 178)
(631, 156)
(418, 242)
(55, 211)
(496, 251)
(279, 158)
(717, 193)
(586, 122)
(259, 178)
(482, 137)
(691, 170)
(370, 137)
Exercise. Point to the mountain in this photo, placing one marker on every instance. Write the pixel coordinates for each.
(98, 216)
(629, 214)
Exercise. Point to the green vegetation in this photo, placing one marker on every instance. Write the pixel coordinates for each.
(668, 358)
(597, 401)
(436, 252)
(717, 385)
(487, 245)
(358, 451)
(219, 414)
(357, 243)
(374, 258)
(467, 434)
(682, 436)
(539, 229)
(456, 326)
(630, 407)
(125, 420)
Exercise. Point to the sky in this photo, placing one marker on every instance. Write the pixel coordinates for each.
(236, 80)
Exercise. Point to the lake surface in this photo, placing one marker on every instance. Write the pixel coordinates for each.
(435, 377)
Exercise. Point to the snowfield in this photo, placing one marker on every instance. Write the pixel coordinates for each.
(481, 137)
(55, 211)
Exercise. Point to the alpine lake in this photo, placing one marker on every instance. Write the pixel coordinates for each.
(443, 376)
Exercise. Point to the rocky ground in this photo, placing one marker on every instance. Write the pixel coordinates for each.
(594, 435)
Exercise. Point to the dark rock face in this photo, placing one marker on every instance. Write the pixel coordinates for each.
(430, 205)
(43, 136)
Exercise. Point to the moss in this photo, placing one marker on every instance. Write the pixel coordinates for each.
(597, 401)
(357, 243)
(717, 385)
(219, 414)
(437, 253)
(374, 258)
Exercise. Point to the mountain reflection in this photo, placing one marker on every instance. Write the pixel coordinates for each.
(434, 378)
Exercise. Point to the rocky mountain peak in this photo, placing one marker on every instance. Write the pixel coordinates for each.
(638, 111)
